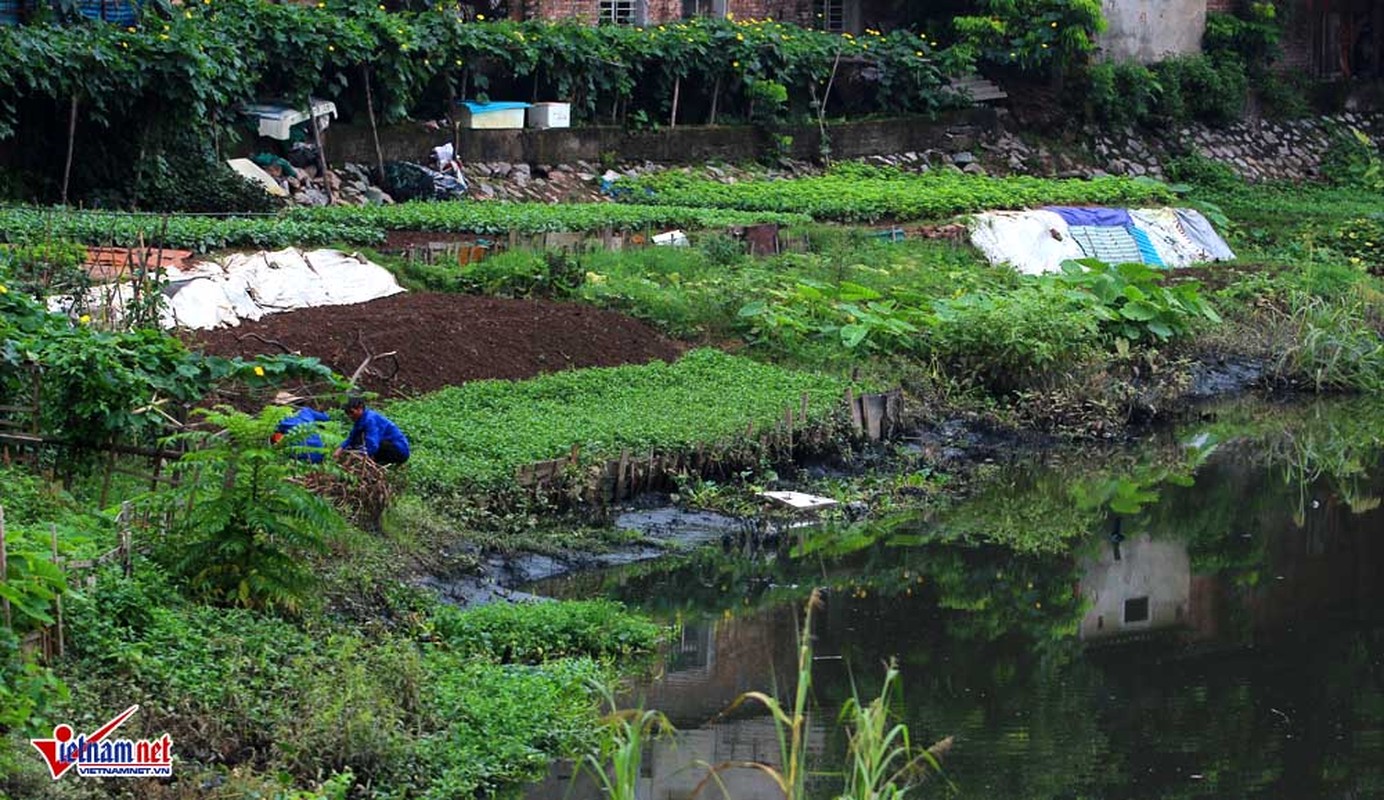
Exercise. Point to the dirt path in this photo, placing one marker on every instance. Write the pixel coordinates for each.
(447, 339)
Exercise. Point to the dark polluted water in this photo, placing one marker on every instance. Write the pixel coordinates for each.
(1198, 617)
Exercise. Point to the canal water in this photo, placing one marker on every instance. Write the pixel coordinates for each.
(1201, 616)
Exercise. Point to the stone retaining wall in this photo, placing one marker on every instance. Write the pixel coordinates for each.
(978, 140)
(1257, 150)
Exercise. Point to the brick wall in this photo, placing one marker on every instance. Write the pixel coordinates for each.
(1221, 6)
(799, 11)
(1296, 43)
(563, 9)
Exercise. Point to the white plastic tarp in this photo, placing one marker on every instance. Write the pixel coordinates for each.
(213, 294)
(1038, 241)
(249, 286)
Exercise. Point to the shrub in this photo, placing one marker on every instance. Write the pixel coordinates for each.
(240, 525)
(1352, 160)
(1008, 340)
(1201, 171)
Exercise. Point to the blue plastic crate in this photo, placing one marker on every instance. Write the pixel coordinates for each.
(117, 12)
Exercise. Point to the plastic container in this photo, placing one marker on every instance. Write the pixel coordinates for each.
(491, 116)
(117, 12)
(550, 115)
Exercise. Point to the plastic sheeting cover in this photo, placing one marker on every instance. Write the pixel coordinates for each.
(1038, 241)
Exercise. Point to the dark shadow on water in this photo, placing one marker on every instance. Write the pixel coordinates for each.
(1211, 626)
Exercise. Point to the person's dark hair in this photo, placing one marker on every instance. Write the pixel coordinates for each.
(353, 403)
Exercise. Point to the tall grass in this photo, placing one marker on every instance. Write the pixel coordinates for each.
(1334, 347)
(883, 762)
(627, 734)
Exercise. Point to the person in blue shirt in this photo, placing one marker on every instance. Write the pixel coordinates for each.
(373, 434)
(304, 448)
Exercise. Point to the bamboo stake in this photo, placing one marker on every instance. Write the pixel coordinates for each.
(374, 130)
(321, 151)
(715, 100)
(4, 571)
(53, 533)
(71, 140)
(677, 94)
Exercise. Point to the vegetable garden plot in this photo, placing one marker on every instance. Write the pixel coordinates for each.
(482, 434)
(864, 194)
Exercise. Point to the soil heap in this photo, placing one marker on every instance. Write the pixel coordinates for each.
(446, 339)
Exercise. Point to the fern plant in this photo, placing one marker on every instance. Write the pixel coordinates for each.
(241, 526)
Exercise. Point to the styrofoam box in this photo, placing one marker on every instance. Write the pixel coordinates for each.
(492, 116)
(550, 115)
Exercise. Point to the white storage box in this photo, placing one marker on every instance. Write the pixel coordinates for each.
(491, 116)
(550, 115)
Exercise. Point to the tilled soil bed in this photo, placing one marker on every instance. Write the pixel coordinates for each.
(447, 339)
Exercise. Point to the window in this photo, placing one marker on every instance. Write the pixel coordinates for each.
(1136, 609)
(831, 15)
(703, 8)
(622, 12)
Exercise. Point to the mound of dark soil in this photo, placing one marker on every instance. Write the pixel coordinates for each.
(447, 339)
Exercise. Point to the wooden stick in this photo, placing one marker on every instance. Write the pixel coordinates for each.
(715, 100)
(321, 151)
(4, 571)
(53, 533)
(71, 140)
(677, 94)
(374, 130)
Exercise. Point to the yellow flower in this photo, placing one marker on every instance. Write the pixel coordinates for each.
(382, 8)
(1052, 24)
(259, 371)
(730, 15)
(130, 29)
(331, 48)
(403, 48)
(595, 278)
(735, 64)
(918, 53)
(4, 289)
(163, 37)
(480, 17)
(739, 37)
(321, 5)
(85, 319)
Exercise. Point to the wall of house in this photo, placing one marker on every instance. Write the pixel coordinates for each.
(1151, 30)
(659, 11)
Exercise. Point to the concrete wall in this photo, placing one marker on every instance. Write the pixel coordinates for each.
(684, 144)
(1151, 30)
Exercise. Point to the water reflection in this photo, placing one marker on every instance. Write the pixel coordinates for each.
(1220, 633)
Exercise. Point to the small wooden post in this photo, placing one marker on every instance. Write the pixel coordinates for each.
(4, 571)
(677, 94)
(71, 141)
(715, 100)
(620, 474)
(126, 511)
(321, 150)
(53, 533)
(374, 130)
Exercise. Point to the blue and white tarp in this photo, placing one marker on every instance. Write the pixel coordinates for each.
(1038, 241)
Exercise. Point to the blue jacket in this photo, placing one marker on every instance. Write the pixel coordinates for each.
(373, 429)
(304, 448)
